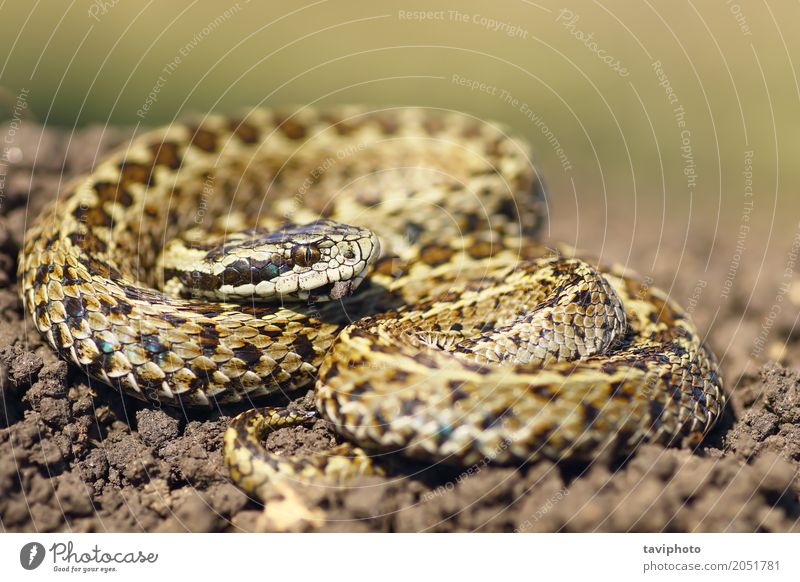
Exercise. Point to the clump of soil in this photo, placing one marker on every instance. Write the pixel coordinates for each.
(76, 456)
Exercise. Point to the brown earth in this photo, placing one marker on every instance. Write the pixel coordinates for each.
(75, 456)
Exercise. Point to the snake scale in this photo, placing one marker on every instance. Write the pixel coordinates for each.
(216, 261)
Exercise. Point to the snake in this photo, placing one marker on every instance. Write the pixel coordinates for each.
(389, 258)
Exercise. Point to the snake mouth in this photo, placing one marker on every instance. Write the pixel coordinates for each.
(341, 289)
(335, 291)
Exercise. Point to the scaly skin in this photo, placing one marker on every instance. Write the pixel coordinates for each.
(470, 339)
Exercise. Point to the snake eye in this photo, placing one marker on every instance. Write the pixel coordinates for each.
(305, 255)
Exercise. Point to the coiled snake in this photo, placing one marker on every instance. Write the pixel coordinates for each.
(470, 338)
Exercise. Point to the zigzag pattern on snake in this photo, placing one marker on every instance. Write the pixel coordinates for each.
(469, 337)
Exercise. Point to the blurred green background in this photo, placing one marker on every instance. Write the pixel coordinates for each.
(594, 85)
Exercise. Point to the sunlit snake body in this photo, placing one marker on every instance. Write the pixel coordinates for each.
(470, 340)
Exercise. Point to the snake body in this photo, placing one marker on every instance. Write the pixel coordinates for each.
(470, 338)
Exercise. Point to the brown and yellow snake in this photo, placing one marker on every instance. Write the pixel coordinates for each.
(220, 261)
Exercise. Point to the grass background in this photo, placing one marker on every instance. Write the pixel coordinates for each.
(731, 64)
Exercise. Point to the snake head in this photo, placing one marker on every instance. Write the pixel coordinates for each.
(320, 261)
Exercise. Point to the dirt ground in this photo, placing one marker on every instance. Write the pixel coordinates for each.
(75, 456)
